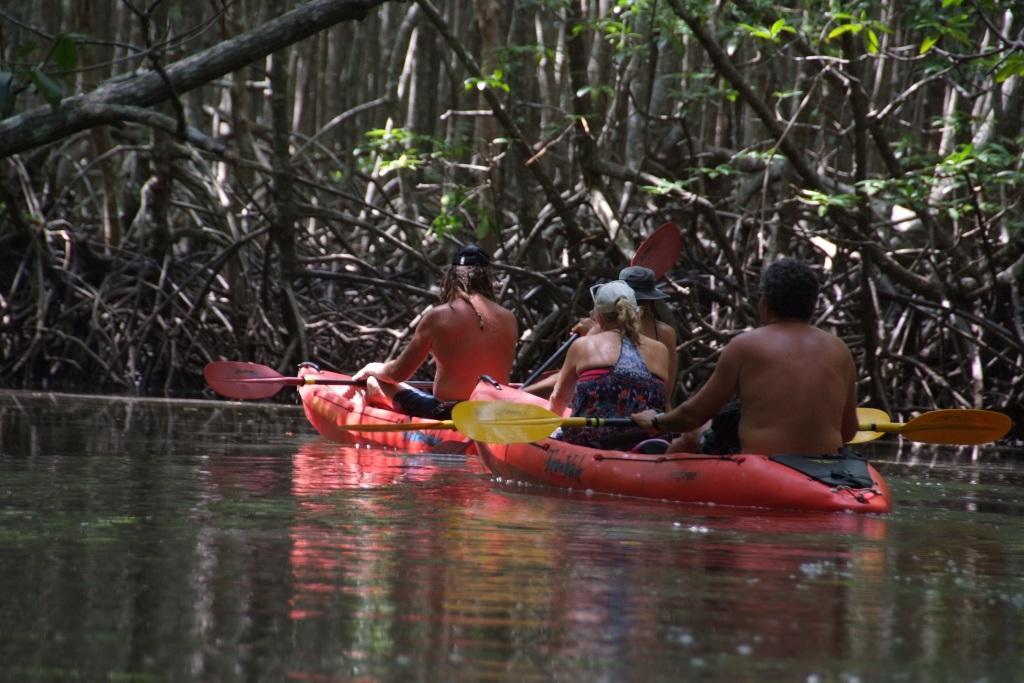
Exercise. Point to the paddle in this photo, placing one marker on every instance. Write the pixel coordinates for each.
(555, 356)
(659, 251)
(866, 416)
(253, 381)
(962, 426)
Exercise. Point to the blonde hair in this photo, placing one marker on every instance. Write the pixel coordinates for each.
(627, 316)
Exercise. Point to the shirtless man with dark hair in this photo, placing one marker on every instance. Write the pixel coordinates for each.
(468, 333)
(797, 385)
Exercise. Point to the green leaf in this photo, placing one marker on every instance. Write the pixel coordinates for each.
(780, 26)
(65, 53)
(756, 31)
(964, 153)
(664, 187)
(872, 42)
(927, 44)
(1013, 66)
(845, 28)
(47, 87)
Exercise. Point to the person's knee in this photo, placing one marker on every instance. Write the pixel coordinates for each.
(375, 393)
(681, 444)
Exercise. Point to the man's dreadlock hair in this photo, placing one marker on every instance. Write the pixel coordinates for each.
(462, 281)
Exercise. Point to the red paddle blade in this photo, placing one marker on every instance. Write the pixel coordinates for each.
(243, 380)
(659, 251)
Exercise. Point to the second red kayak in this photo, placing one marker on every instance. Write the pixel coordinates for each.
(798, 482)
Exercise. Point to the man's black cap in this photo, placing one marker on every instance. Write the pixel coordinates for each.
(471, 255)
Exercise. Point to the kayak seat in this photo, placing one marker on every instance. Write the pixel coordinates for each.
(847, 469)
(651, 447)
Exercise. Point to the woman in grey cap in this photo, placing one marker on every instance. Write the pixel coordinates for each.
(612, 368)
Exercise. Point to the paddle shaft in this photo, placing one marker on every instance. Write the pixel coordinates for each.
(313, 379)
(881, 426)
(555, 356)
(252, 381)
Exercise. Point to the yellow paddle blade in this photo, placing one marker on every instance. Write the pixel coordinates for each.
(868, 417)
(504, 421)
(965, 426)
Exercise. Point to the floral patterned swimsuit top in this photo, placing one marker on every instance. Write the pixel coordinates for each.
(627, 388)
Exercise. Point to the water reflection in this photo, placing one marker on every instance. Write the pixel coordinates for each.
(210, 541)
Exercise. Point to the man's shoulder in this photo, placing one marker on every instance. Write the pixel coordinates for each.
(497, 310)
(432, 312)
(745, 338)
(769, 337)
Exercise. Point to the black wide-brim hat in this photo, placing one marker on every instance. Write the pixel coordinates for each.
(641, 280)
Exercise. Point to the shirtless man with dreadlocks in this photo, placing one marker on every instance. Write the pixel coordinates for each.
(468, 333)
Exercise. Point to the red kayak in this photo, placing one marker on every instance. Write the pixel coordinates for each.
(828, 483)
(329, 408)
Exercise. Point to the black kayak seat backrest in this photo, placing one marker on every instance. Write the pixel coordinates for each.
(846, 468)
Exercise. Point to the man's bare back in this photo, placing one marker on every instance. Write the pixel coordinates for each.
(797, 389)
(463, 349)
(463, 344)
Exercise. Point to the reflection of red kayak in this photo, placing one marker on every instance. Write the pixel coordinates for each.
(330, 407)
(750, 480)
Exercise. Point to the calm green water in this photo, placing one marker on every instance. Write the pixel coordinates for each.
(174, 541)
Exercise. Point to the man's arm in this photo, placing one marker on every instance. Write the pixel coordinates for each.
(566, 382)
(413, 355)
(702, 406)
(543, 386)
